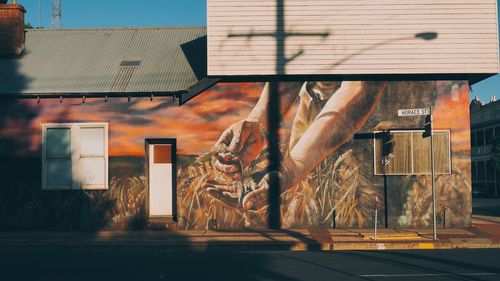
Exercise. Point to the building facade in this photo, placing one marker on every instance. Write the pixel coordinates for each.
(93, 137)
(485, 127)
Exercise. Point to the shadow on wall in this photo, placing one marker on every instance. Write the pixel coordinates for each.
(14, 115)
(23, 203)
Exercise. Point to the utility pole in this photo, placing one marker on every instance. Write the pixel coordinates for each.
(274, 116)
(434, 230)
(429, 132)
(274, 120)
(387, 153)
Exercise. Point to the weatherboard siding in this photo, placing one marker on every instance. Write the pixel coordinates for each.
(353, 37)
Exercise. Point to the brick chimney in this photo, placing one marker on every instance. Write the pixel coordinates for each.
(11, 29)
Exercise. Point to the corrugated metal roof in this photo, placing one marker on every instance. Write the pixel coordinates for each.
(138, 60)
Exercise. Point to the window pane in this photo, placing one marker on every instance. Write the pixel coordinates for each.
(488, 135)
(92, 141)
(92, 171)
(480, 171)
(480, 138)
(58, 142)
(497, 131)
(473, 138)
(490, 171)
(473, 172)
(490, 189)
(58, 172)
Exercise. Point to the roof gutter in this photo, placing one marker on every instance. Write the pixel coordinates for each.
(174, 94)
(197, 89)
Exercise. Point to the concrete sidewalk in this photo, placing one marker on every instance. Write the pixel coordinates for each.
(485, 233)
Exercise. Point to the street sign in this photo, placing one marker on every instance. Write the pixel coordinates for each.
(413, 112)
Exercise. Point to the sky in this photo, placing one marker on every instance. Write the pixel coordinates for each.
(120, 13)
(127, 13)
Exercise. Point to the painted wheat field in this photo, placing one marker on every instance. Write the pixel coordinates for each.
(338, 192)
(334, 188)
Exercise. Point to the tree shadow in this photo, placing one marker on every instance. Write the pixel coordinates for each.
(23, 203)
(15, 117)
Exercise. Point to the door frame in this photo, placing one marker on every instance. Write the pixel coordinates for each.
(173, 142)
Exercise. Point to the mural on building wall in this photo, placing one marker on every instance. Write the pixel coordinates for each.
(327, 177)
(222, 152)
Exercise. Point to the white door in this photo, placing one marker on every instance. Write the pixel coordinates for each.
(160, 182)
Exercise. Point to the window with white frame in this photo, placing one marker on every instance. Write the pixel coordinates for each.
(411, 154)
(75, 156)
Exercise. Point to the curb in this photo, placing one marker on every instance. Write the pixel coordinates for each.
(202, 246)
(377, 246)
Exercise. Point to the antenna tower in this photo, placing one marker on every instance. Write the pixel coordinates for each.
(39, 14)
(55, 21)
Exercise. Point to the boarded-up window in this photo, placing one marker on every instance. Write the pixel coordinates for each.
(401, 162)
(411, 154)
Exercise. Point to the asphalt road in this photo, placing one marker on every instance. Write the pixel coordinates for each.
(67, 264)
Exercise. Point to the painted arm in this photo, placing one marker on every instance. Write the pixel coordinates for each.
(344, 114)
(242, 142)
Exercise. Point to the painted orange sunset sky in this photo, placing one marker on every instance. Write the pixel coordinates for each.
(196, 125)
(451, 112)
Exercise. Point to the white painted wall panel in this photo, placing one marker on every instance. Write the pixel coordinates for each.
(352, 37)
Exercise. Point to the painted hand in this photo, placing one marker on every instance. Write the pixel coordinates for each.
(258, 198)
(228, 194)
(237, 147)
(290, 173)
(224, 192)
